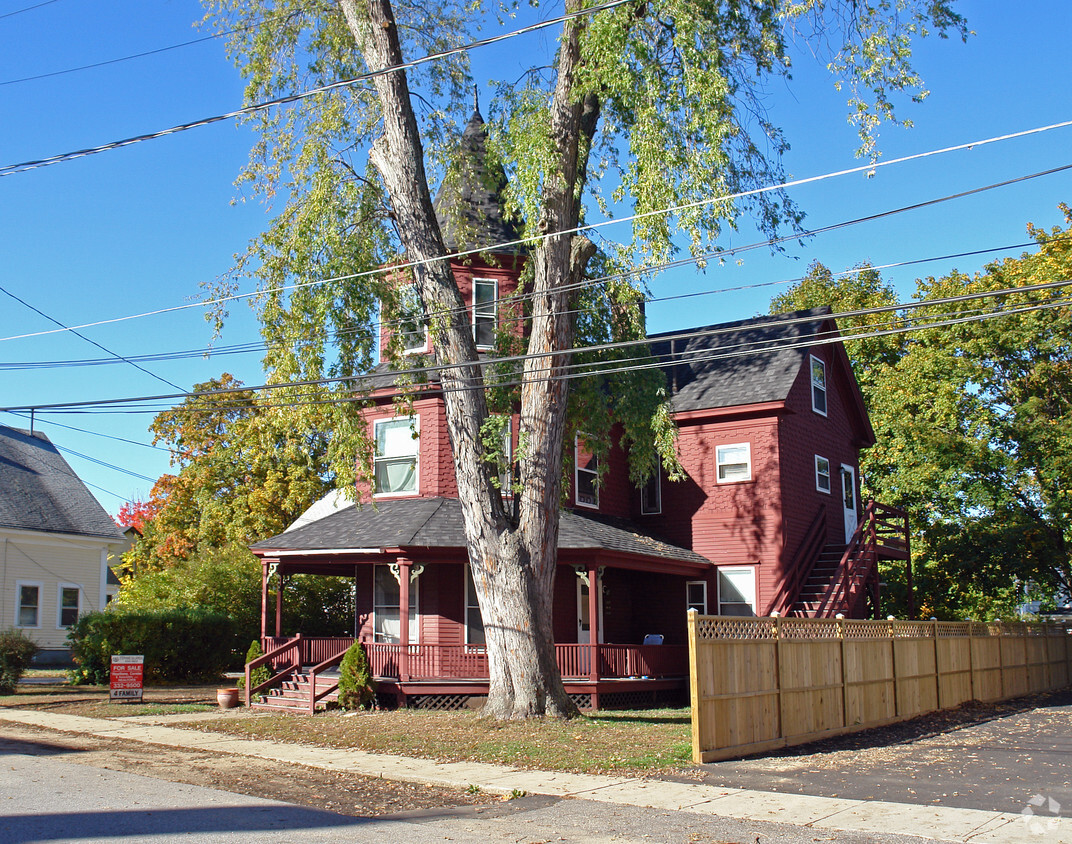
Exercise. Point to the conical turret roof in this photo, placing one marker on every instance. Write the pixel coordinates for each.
(469, 204)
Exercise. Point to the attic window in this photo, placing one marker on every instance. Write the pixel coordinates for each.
(818, 385)
(734, 462)
(586, 475)
(485, 305)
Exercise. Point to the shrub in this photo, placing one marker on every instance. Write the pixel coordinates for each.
(16, 654)
(356, 687)
(179, 645)
(258, 675)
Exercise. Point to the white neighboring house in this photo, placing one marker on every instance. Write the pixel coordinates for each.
(55, 539)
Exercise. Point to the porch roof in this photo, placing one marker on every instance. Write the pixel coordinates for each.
(436, 524)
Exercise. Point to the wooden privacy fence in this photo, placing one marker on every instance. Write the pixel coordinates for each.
(762, 683)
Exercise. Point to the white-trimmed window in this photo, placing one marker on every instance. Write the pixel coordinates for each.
(651, 494)
(68, 604)
(387, 624)
(585, 474)
(474, 622)
(485, 311)
(818, 385)
(27, 604)
(696, 596)
(822, 474)
(734, 462)
(411, 323)
(737, 591)
(395, 463)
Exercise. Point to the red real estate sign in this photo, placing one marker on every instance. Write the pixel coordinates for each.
(126, 677)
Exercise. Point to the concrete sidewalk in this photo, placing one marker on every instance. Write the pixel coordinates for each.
(937, 822)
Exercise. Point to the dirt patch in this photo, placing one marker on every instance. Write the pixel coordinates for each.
(343, 793)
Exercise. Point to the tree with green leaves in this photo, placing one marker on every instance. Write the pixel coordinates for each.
(660, 100)
(973, 420)
(243, 473)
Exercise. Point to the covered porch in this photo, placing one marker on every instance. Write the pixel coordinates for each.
(617, 643)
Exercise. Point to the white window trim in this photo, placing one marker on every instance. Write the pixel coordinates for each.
(812, 385)
(818, 474)
(719, 463)
(688, 585)
(415, 422)
(423, 347)
(18, 595)
(59, 603)
(494, 307)
(735, 569)
(470, 592)
(577, 473)
(658, 480)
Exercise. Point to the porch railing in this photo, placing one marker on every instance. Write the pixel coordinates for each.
(469, 662)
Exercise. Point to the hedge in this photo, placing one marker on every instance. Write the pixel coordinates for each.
(16, 654)
(179, 645)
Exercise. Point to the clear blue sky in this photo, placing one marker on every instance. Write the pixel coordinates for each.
(140, 228)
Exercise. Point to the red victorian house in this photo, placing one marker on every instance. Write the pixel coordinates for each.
(769, 519)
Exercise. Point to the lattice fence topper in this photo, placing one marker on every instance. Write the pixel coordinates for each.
(734, 627)
(859, 630)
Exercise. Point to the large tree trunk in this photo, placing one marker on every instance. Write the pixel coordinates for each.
(513, 565)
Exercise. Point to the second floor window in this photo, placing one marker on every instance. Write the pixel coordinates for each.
(734, 462)
(818, 385)
(651, 500)
(411, 323)
(586, 475)
(822, 474)
(485, 311)
(395, 461)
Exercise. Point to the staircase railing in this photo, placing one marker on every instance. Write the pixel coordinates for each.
(331, 685)
(289, 654)
(801, 566)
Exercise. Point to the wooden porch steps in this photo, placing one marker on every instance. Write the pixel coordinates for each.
(822, 575)
(293, 695)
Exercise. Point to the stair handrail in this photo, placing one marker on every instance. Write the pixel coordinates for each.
(294, 644)
(801, 566)
(855, 565)
(315, 698)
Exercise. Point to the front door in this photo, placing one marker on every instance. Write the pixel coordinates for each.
(584, 627)
(848, 500)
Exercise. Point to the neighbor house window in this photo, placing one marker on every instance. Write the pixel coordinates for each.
(818, 385)
(734, 462)
(387, 623)
(28, 611)
(822, 474)
(474, 622)
(737, 591)
(411, 322)
(696, 596)
(586, 474)
(485, 313)
(69, 596)
(651, 494)
(395, 462)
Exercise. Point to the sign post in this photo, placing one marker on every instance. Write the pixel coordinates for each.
(126, 677)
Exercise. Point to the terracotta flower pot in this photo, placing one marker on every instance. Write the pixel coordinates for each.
(227, 698)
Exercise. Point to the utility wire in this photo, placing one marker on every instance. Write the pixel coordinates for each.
(92, 433)
(88, 340)
(27, 9)
(466, 253)
(11, 169)
(566, 353)
(105, 464)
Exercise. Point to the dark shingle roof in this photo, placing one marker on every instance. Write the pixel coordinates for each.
(469, 205)
(738, 363)
(39, 491)
(437, 523)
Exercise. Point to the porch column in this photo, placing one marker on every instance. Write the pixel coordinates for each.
(404, 568)
(279, 603)
(594, 587)
(264, 600)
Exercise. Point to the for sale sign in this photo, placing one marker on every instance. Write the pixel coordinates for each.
(126, 677)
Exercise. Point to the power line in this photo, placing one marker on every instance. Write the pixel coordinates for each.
(105, 464)
(88, 340)
(565, 353)
(27, 9)
(11, 169)
(92, 433)
(591, 226)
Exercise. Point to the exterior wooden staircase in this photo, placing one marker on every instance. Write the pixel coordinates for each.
(826, 580)
(293, 687)
(292, 695)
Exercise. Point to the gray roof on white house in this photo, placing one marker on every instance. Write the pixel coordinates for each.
(437, 523)
(731, 364)
(39, 491)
